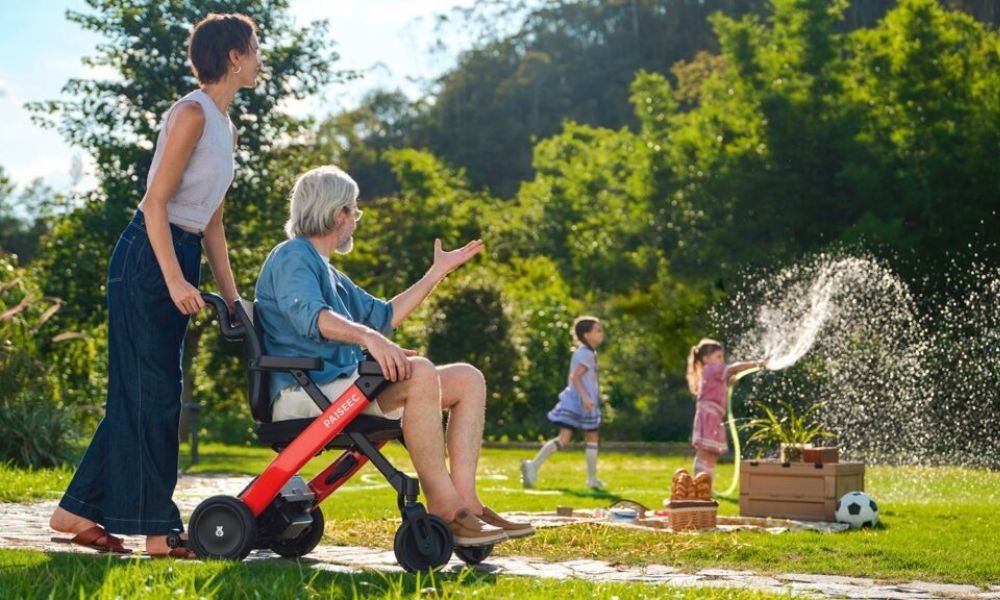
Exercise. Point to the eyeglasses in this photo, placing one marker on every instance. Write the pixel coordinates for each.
(357, 213)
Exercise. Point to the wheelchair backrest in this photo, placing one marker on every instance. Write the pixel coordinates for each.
(258, 382)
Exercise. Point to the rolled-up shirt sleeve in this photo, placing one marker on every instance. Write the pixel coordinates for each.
(371, 311)
(378, 313)
(299, 295)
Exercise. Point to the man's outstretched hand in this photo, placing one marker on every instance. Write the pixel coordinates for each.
(447, 261)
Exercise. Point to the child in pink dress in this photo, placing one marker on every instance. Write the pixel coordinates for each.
(709, 379)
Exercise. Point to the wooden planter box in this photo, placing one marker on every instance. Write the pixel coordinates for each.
(807, 491)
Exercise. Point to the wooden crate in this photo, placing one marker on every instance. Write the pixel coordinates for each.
(806, 491)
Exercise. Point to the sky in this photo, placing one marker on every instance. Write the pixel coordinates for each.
(40, 50)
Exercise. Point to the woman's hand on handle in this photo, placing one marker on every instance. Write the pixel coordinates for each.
(186, 297)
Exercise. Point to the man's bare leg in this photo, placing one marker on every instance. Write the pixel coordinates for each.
(421, 395)
(463, 394)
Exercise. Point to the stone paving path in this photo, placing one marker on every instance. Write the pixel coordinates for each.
(25, 526)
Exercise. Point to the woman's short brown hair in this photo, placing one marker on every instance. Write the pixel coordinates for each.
(212, 39)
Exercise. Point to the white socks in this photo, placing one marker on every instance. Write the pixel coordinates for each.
(548, 449)
(701, 466)
(591, 452)
(529, 469)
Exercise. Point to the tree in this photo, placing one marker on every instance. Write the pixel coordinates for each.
(359, 139)
(22, 213)
(116, 121)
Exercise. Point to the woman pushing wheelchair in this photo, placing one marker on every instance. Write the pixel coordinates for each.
(125, 482)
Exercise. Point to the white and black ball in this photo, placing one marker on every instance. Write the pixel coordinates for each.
(857, 509)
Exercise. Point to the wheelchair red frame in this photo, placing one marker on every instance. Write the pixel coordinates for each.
(278, 510)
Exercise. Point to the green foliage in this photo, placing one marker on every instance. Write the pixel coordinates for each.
(27, 573)
(468, 324)
(542, 309)
(641, 156)
(33, 435)
(358, 140)
(116, 121)
(21, 223)
(563, 60)
(789, 428)
(35, 428)
(930, 82)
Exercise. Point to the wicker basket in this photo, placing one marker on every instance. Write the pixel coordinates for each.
(692, 514)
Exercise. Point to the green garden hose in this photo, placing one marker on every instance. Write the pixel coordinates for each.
(735, 435)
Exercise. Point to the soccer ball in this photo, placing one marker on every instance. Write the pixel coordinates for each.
(857, 509)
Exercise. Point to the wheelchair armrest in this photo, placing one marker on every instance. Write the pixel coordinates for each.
(369, 367)
(370, 380)
(287, 363)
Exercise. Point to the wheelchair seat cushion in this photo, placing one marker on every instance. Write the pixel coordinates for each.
(281, 433)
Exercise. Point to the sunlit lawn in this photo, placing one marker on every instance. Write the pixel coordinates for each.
(27, 574)
(937, 524)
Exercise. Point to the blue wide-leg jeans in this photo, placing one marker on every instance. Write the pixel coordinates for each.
(127, 477)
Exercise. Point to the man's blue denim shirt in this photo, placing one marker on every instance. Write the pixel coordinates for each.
(293, 287)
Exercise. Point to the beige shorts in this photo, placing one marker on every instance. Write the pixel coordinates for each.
(295, 403)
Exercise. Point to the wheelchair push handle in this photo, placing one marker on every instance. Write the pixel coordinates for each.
(230, 330)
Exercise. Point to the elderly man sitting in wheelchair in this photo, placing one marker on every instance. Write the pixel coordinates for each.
(309, 308)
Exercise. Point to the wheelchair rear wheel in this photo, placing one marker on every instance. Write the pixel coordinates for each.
(473, 555)
(306, 542)
(439, 539)
(223, 527)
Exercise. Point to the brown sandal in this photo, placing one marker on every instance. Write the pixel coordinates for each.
(96, 538)
(179, 553)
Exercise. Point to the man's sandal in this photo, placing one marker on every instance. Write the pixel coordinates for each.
(96, 538)
(180, 548)
(179, 553)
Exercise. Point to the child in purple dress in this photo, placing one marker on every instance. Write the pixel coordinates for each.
(709, 379)
(579, 405)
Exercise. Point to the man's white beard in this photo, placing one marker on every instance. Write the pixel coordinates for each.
(346, 247)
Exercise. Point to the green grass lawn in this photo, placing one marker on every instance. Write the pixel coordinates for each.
(937, 523)
(27, 574)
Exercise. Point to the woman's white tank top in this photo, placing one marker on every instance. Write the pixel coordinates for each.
(209, 171)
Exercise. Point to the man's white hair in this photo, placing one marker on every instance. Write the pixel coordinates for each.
(317, 196)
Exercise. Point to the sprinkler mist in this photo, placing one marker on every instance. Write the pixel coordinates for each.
(905, 379)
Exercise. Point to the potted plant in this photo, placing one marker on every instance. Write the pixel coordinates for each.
(792, 432)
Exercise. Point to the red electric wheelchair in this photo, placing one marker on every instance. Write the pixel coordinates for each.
(278, 509)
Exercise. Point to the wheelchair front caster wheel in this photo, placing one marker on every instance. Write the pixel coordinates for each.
(473, 555)
(223, 527)
(423, 543)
